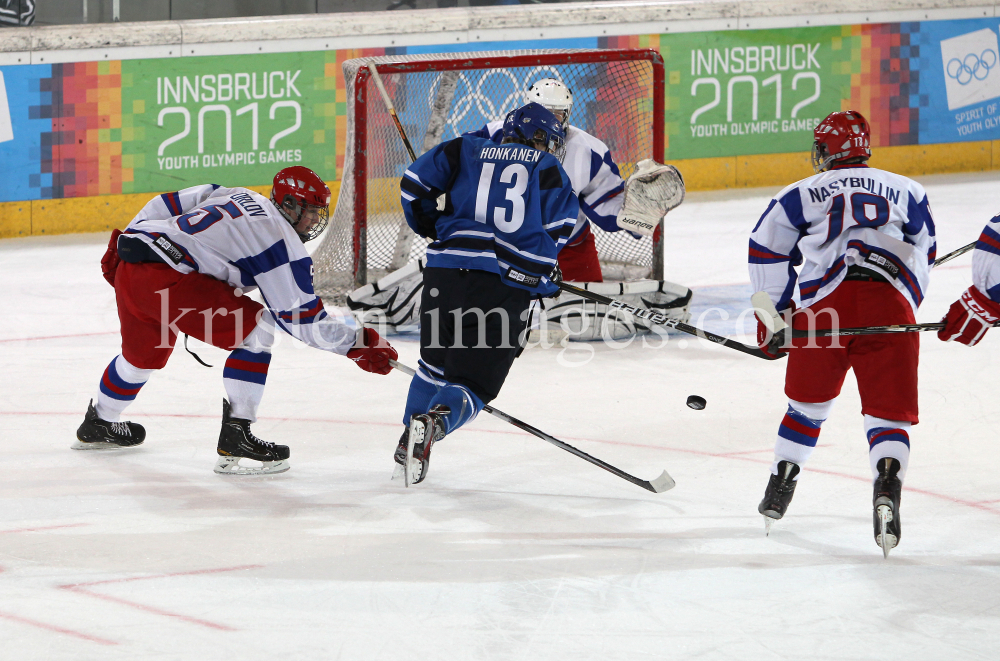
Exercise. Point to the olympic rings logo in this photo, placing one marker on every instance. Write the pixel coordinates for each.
(496, 92)
(971, 67)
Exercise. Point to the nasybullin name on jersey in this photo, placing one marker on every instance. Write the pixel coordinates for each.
(229, 159)
(864, 183)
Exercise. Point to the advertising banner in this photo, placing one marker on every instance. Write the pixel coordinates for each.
(134, 126)
(757, 92)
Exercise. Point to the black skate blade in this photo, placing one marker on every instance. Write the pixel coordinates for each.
(101, 445)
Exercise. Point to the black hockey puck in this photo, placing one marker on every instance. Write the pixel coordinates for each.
(695, 402)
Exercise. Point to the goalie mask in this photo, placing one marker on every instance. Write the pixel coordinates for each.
(840, 137)
(552, 94)
(303, 199)
(535, 126)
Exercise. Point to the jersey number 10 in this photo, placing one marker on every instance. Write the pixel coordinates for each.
(860, 205)
(517, 176)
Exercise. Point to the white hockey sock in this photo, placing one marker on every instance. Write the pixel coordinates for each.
(246, 371)
(119, 386)
(888, 438)
(799, 432)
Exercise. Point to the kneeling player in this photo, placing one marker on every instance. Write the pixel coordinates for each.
(866, 238)
(182, 266)
(508, 210)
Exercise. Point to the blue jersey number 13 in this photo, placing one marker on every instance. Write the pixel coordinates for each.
(516, 176)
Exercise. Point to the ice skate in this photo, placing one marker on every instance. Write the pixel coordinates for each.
(885, 503)
(98, 434)
(778, 495)
(425, 430)
(399, 456)
(236, 442)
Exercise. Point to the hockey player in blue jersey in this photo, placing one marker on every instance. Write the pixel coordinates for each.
(508, 210)
(865, 241)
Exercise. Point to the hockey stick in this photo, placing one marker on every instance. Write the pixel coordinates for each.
(954, 253)
(662, 483)
(392, 110)
(872, 330)
(666, 322)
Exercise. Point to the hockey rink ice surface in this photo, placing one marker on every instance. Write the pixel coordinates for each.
(512, 548)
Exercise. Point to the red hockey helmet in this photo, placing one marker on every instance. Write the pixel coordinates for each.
(303, 199)
(841, 136)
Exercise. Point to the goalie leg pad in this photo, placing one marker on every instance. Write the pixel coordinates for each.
(392, 304)
(583, 320)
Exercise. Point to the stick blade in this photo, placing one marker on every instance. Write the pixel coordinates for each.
(663, 483)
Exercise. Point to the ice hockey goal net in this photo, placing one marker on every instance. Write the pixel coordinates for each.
(618, 97)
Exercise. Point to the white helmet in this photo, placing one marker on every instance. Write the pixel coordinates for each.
(552, 94)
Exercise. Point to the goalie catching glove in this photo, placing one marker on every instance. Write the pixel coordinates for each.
(652, 191)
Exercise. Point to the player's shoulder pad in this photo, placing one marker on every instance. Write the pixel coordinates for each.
(577, 138)
(550, 173)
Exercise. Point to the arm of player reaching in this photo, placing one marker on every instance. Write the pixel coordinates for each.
(774, 253)
(424, 181)
(978, 308)
(601, 199)
(527, 254)
(288, 293)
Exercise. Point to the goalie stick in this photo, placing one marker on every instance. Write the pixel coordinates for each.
(662, 483)
(666, 322)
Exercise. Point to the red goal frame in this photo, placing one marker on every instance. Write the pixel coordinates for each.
(359, 254)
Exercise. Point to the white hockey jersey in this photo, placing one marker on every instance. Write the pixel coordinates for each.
(853, 215)
(986, 260)
(238, 236)
(592, 172)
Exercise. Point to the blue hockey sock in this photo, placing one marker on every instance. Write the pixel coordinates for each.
(463, 403)
(423, 386)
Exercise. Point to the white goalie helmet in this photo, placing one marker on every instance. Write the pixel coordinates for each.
(554, 95)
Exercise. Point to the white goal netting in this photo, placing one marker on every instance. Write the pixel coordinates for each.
(617, 97)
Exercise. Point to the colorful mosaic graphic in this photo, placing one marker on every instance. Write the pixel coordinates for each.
(82, 153)
(885, 68)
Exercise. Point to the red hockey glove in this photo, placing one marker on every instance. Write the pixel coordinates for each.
(110, 261)
(375, 355)
(969, 318)
(773, 345)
